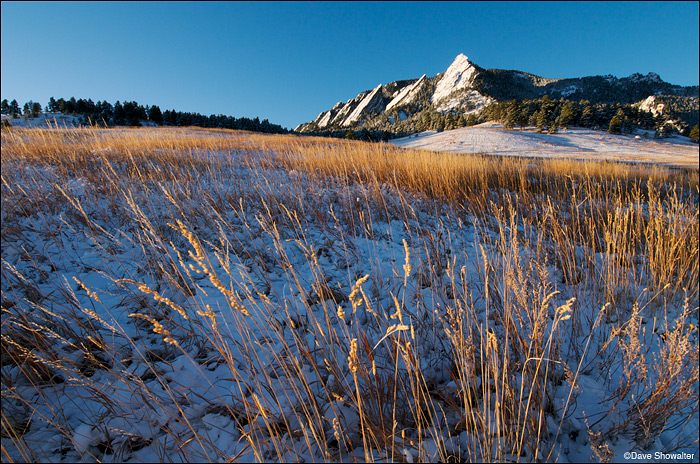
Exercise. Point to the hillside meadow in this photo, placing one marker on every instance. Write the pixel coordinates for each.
(184, 294)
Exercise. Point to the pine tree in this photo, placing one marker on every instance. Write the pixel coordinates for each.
(587, 116)
(14, 109)
(567, 114)
(694, 133)
(440, 123)
(81, 106)
(70, 106)
(5, 107)
(622, 124)
(119, 114)
(541, 120)
(532, 119)
(615, 126)
(522, 117)
(509, 118)
(666, 130)
(155, 115)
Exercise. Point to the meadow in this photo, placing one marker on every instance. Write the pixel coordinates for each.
(213, 295)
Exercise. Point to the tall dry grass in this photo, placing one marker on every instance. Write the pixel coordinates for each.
(502, 261)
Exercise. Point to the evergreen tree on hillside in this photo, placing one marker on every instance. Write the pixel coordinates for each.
(119, 114)
(522, 117)
(694, 133)
(36, 109)
(439, 124)
(80, 106)
(170, 117)
(155, 115)
(5, 107)
(70, 106)
(547, 105)
(532, 119)
(615, 126)
(14, 109)
(510, 117)
(667, 129)
(51, 105)
(541, 120)
(60, 105)
(105, 112)
(645, 119)
(587, 117)
(132, 113)
(567, 114)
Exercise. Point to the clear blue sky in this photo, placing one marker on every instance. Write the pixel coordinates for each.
(287, 62)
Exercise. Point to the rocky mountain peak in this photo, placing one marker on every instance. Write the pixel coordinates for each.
(459, 75)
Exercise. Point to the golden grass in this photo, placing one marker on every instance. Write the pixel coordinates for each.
(620, 238)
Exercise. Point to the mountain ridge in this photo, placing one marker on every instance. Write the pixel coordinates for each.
(465, 88)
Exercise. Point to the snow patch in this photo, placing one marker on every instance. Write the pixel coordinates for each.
(466, 102)
(569, 90)
(44, 120)
(83, 437)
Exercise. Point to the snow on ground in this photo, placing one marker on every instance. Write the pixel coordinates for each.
(44, 120)
(575, 143)
(467, 102)
(52, 252)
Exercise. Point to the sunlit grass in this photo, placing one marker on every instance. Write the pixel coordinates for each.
(243, 252)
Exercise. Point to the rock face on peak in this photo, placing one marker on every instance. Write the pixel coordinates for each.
(465, 88)
(458, 76)
(407, 94)
(651, 77)
(367, 105)
(372, 102)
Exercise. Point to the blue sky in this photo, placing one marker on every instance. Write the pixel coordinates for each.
(287, 62)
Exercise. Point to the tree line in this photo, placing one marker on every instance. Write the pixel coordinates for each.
(544, 114)
(131, 113)
(550, 115)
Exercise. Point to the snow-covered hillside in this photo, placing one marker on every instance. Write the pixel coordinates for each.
(574, 143)
(44, 120)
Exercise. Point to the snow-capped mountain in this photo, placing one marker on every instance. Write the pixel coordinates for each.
(466, 88)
